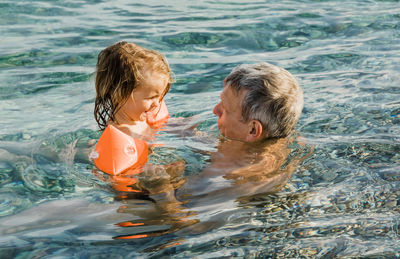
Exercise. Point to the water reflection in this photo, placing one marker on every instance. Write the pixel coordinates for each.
(149, 197)
(237, 173)
(162, 200)
(242, 169)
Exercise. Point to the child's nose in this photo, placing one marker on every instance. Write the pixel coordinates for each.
(217, 110)
(155, 104)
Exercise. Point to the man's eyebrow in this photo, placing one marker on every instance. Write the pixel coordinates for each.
(224, 103)
(220, 96)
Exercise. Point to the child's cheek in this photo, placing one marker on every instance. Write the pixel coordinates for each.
(149, 104)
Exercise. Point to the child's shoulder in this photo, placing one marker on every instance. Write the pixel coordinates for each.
(139, 130)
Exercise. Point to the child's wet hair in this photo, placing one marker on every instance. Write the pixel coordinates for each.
(120, 68)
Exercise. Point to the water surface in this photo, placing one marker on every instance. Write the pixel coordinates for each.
(340, 200)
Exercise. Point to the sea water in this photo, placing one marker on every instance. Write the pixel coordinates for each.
(341, 199)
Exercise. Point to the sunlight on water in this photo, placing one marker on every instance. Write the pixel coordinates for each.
(333, 192)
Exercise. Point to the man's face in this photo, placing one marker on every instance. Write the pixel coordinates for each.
(229, 112)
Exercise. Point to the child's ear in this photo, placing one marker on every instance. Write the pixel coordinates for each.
(255, 131)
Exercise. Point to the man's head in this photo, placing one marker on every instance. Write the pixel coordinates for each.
(259, 101)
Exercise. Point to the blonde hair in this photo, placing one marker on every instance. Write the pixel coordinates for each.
(273, 97)
(119, 71)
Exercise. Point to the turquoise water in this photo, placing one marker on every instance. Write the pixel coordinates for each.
(342, 199)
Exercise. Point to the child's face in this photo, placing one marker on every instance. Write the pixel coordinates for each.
(146, 97)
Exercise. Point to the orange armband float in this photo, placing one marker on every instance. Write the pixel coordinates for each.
(117, 152)
(158, 118)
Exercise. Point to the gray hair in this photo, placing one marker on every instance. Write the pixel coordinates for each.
(273, 97)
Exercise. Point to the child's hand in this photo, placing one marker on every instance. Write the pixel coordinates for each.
(176, 169)
(182, 126)
(162, 178)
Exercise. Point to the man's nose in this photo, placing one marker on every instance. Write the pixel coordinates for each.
(217, 110)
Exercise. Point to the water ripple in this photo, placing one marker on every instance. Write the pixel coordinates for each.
(12, 202)
(341, 202)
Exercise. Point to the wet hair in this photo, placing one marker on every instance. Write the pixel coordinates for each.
(273, 97)
(119, 70)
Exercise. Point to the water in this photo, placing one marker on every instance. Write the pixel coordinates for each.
(341, 200)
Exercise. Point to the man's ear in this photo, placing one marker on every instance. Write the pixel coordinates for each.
(255, 131)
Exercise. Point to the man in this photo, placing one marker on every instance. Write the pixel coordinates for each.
(259, 101)
(259, 108)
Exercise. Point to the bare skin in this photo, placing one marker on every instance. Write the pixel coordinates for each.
(247, 168)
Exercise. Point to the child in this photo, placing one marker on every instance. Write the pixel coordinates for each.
(131, 82)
